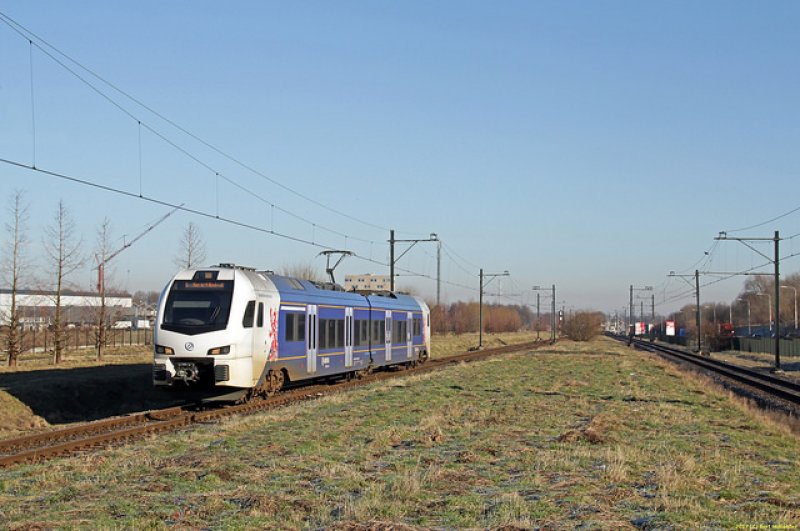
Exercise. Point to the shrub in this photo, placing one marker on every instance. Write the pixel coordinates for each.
(582, 326)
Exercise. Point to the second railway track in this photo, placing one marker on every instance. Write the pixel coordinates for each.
(772, 386)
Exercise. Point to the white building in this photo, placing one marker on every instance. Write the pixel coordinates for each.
(37, 308)
(366, 282)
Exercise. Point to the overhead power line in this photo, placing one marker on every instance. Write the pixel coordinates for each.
(56, 55)
(202, 213)
(179, 148)
(30, 36)
(776, 218)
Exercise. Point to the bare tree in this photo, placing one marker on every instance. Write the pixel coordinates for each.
(63, 249)
(14, 267)
(304, 271)
(192, 248)
(102, 252)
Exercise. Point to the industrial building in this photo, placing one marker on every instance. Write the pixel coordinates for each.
(366, 282)
(37, 308)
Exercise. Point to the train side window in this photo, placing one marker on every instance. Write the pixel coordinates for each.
(331, 333)
(379, 331)
(339, 333)
(295, 327)
(361, 333)
(260, 319)
(399, 332)
(249, 313)
(417, 326)
(324, 333)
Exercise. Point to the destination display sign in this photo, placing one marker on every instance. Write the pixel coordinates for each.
(207, 285)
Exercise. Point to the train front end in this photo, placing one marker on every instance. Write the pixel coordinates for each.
(197, 342)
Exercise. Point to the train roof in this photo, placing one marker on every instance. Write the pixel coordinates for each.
(306, 291)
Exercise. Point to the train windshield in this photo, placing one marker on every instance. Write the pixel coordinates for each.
(197, 307)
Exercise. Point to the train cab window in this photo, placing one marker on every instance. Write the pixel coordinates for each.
(295, 326)
(249, 313)
(197, 307)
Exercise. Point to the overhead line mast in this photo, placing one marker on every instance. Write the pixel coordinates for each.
(776, 261)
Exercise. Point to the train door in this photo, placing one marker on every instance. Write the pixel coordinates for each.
(348, 337)
(388, 335)
(259, 342)
(311, 338)
(409, 330)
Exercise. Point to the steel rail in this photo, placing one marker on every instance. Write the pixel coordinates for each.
(67, 441)
(83, 430)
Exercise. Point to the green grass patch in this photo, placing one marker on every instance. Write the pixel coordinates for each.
(590, 435)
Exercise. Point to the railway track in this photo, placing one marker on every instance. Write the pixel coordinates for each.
(767, 383)
(106, 432)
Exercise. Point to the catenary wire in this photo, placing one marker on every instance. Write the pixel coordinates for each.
(205, 214)
(22, 31)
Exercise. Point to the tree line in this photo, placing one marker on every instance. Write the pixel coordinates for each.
(754, 306)
(461, 317)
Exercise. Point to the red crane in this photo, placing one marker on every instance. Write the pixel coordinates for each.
(101, 263)
(101, 287)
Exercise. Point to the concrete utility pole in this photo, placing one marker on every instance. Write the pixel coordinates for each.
(632, 325)
(697, 299)
(749, 328)
(653, 316)
(697, 304)
(491, 277)
(552, 311)
(632, 332)
(553, 329)
(795, 304)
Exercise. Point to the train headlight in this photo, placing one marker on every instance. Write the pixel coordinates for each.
(164, 350)
(220, 350)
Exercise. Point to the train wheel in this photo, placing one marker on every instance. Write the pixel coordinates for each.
(364, 372)
(273, 382)
(422, 357)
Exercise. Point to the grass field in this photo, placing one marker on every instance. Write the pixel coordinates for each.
(591, 435)
(127, 371)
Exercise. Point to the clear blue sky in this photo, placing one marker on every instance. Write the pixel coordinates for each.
(592, 145)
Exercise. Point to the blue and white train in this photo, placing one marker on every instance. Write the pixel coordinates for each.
(234, 327)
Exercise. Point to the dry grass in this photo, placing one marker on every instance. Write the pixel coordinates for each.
(448, 344)
(598, 437)
(82, 358)
(775, 419)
